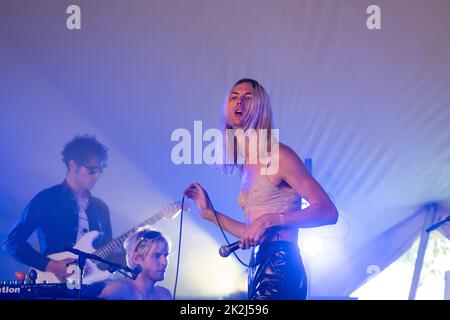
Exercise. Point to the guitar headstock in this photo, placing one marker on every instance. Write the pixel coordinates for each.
(173, 209)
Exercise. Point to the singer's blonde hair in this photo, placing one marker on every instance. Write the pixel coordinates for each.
(259, 116)
(141, 242)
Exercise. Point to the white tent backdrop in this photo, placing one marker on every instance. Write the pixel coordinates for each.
(370, 107)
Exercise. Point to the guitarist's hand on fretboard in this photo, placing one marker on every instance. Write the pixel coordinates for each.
(60, 267)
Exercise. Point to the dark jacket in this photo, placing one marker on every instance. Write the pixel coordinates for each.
(53, 214)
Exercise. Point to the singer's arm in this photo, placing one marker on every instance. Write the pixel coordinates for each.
(320, 212)
(232, 226)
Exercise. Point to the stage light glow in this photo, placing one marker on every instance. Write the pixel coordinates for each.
(203, 273)
(312, 245)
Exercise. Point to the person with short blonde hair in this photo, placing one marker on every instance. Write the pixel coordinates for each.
(149, 249)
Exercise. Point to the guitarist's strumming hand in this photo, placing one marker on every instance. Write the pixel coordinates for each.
(59, 268)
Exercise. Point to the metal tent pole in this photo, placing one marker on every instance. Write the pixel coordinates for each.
(431, 215)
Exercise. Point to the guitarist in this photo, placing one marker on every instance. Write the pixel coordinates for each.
(62, 214)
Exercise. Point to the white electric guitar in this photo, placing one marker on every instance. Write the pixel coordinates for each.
(92, 273)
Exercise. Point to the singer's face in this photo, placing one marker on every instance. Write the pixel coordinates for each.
(238, 103)
(155, 262)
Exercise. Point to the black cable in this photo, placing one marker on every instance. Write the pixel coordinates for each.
(228, 242)
(179, 249)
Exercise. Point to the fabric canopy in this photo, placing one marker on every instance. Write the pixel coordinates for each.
(371, 108)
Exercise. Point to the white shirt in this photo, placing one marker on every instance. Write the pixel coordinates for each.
(83, 222)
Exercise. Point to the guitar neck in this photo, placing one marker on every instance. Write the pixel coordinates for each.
(117, 243)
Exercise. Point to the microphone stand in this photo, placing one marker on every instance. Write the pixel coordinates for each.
(112, 267)
(437, 225)
(81, 264)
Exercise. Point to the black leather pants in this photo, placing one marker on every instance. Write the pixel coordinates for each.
(279, 273)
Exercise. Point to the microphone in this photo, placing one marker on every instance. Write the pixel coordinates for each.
(226, 250)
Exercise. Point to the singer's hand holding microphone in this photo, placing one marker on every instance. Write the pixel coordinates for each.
(252, 236)
(226, 250)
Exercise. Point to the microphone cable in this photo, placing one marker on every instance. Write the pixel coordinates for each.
(179, 250)
(228, 242)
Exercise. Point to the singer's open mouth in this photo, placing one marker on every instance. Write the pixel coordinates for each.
(238, 112)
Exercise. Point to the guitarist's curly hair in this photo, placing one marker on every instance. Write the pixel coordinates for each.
(82, 148)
